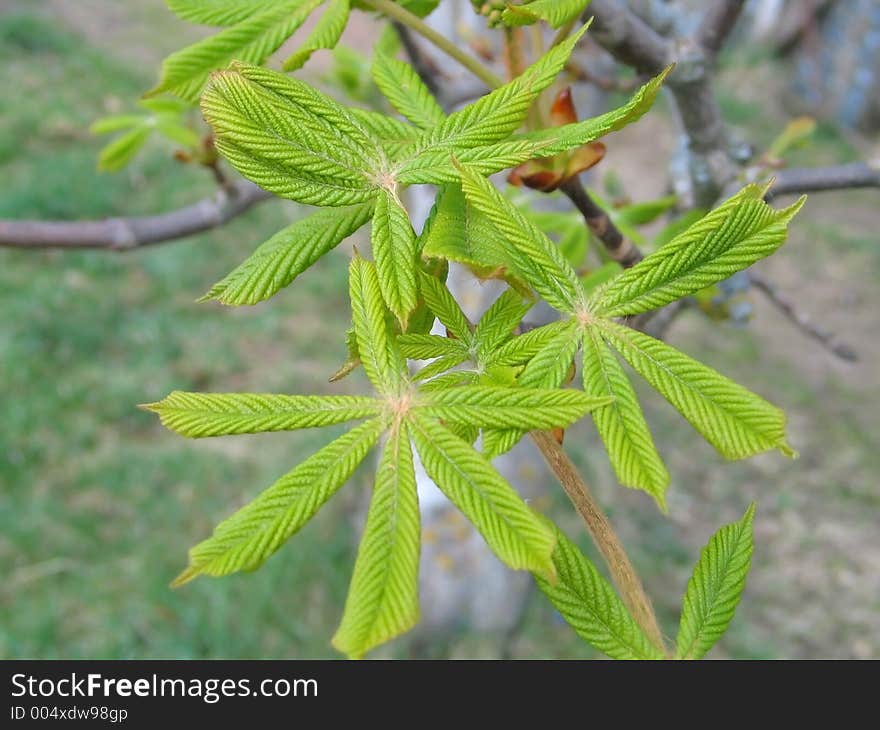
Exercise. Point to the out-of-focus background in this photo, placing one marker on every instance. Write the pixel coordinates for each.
(98, 504)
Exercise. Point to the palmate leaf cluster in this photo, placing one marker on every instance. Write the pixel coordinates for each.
(487, 383)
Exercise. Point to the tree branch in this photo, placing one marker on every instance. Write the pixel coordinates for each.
(627, 37)
(124, 234)
(798, 180)
(717, 24)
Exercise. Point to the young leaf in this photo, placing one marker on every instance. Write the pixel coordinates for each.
(247, 538)
(379, 354)
(394, 250)
(401, 85)
(556, 12)
(715, 588)
(252, 40)
(383, 599)
(734, 420)
(198, 415)
(393, 135)
(498, 323)
(731, 238)
(523, 408)
(516, 534)
(523, 348)
(217, 12)
(427, 347)
(290, 138)
(590, 606)
(325, 34)
(286, 255)
(535, 255)
(622, 425)
(441, 302)
(122, 150)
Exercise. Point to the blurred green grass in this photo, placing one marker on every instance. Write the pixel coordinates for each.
(99, 504)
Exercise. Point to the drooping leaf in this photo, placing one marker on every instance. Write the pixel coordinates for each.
(516, 534)
(286, 255)
(325, 34)
(401, 85)
(556, 12)
(622, 425)
(535, 255)
(378, 351)
(715, 588)
(197, 415)
(252, 40)
(247, 538)
(522, 408)
(394, 250)
(383, 599)
(729, 239)
(734, 420)
(590, 606)
(290, 138)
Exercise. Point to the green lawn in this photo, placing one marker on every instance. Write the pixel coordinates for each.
(98, 504)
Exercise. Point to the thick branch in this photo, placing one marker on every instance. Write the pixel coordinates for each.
(627, 37)
(124, 234)
(798, 180)
(622, 572)
(718, 23)
(622, 250)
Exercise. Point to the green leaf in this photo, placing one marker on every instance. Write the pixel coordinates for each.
(378, 351)
(218, 12)
(325, 34)
(122, 150)
(535, 255)
(556, 12)
(401, 85)
(394, 250)
(440, 366)
(198, 415)
(247, 538)
(734, 420)
(522, 408)
(516, 534)
(556, 140)
(393, 135)
(622, 425)
(461, 234)
(426, 347)
(495, 116)
(108, 125)
(731, 238)
(590, 606)
(286, 255)
(521, 349)
(715, 588)
(173, 130)
(252, 40)
(290, 138)
(383, 599)
(441, 302)
(498, 323)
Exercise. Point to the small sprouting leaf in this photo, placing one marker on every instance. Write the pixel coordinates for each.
(394, 250)
(590, 606)
(730, 238)
(401, 85)
(383, 599)
(523, 408)
(247, 538)
(378, 351)
(198, 415)
(290, 138)
(122, 150)
(108, 125)
(218, 12)
(556, 12)
(715, 588)
(535, 255)
(252, 40)
(734, 420)
(287, 254)
(622, 425)
(516, 534)
(325, 34)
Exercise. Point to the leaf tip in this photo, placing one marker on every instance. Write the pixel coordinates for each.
(190, 573)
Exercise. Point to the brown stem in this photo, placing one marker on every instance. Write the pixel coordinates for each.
(622, 572)
(622, 250)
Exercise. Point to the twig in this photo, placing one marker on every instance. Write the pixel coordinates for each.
(801, 320)
(798, 180)
(657, 322)
(422, 63)
(622, 572)
(622, 250)
(718, 24)
(124, 234)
